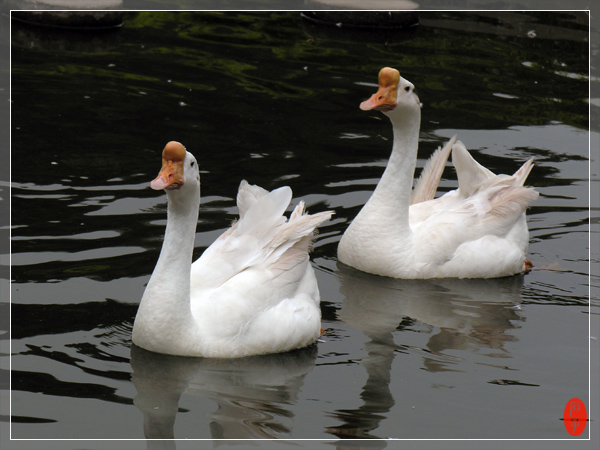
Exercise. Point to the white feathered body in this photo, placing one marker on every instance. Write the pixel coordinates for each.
(446, 237)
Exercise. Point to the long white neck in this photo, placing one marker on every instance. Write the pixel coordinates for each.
(167, 296)
(176, 254)
(392, 195)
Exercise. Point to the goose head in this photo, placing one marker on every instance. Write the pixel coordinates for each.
(179, 169)
(396, 95)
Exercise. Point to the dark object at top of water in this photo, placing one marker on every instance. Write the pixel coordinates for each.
(52, 15)
(371, 20)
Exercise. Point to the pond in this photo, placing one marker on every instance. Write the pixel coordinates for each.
(272, 97)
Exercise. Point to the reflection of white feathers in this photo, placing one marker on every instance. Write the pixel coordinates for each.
(240, 387)
(448, 315)
(253, 291)
(477, 309)
(476, 231)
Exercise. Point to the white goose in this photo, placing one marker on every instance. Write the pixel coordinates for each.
(253, 291)
(476, 231)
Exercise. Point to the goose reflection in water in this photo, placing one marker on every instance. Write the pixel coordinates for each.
(251, 393)
(460, 314)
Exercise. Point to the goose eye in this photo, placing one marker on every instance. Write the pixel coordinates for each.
(192, 163)
(407, 88)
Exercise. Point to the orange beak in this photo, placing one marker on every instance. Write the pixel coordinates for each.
(385, 98)
(171, 172)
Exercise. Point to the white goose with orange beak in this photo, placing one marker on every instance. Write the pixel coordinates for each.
(252, 292)
(476, 231)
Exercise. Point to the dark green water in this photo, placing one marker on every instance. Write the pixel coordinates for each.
(272, 98)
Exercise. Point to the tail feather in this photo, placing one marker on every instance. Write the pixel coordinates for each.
(298, 233)
(511, 200)
(427, 184)
(265, 213)
(471, 175)
(522, 174)
(247, 196)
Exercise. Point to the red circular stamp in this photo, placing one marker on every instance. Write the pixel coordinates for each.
(575, 417)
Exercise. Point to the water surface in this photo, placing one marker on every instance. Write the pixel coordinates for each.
(272, 98)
